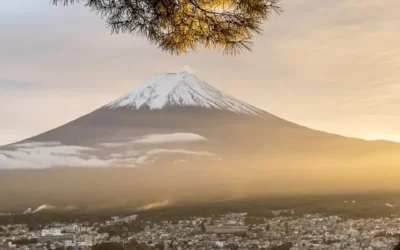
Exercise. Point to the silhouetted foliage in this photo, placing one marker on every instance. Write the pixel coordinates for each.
(203, 227)
(284, 246)
(330, 242)
(108, 246)
(159, 246)
(134, 245)
(232, 246)
(131, 245)
(385, 234)
(397, 247)
(251, 220)
(122, 228)
(180, 26)
(24, 242)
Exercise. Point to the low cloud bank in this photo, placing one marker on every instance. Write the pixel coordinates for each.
(49, 154)
(170, 138)
(121, 154)
(157, 139)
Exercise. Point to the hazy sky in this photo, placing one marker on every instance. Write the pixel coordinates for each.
(332, 65)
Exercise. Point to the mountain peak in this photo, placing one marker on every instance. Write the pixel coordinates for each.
(180, 89)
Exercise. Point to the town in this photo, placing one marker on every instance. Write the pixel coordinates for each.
(227, 231)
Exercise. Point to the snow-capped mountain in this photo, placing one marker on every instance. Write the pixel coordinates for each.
(175, 136)
(171, 114)
(180, 89)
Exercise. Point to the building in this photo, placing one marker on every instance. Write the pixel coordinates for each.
(55, 235)
(51, 231)
(219, 244)
(226, 229)
(62, 238)
(86, 240)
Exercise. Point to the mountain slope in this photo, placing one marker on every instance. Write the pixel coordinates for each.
(176, 135)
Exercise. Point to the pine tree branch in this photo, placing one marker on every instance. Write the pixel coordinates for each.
(179, 26)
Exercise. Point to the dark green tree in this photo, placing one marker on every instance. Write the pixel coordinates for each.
(181, 26)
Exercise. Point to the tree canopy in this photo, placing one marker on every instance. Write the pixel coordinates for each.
(180, 26)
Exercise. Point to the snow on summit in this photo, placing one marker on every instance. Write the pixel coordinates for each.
(180, 89)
